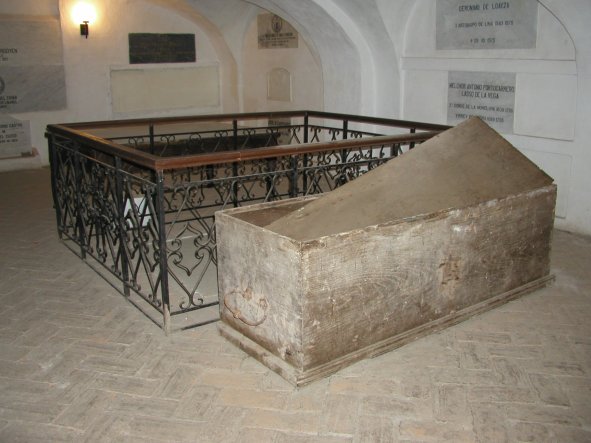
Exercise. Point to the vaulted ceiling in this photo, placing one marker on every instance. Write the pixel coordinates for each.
(347, 37)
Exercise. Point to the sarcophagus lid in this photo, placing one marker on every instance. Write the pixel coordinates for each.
(463, 166)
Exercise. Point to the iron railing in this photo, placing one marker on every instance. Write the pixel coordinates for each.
(136, 198)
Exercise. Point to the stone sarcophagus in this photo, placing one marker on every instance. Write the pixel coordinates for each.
(452, 228)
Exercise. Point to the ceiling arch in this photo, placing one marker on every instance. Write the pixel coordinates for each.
(348, 38)
(337, 55)
(357, 56)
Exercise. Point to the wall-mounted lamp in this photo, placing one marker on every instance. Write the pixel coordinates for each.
(84, 28)
(83, 13)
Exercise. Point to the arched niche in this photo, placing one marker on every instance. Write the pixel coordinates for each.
(279, 85)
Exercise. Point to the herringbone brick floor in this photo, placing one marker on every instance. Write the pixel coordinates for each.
(78, 363)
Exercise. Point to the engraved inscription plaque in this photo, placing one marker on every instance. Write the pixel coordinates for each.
(32, 76)
(32, 88)
(486, 24)
(15, 137)
(488, 95)
(161, 48)
(275, 33)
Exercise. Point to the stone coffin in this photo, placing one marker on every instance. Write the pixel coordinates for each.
(457, 226)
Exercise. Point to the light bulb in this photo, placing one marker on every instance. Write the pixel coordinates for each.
(83, 12)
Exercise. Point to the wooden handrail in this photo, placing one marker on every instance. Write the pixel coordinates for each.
(131, 155)
(76, 132)
(182, 119)
(156, 163)
(380, 121)
(255, 116)
(286, 150)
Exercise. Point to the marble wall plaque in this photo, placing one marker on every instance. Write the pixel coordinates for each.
(32, 76)
(275, 33)
(486, 24)
(15, 137)
(488, 95)
(20, 37)
(161, 48)
(32, 88)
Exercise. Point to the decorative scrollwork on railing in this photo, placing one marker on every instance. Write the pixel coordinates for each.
(354, 134)
(166, 140)
(247, 136)
(221, 141)
(194, 143)
(66, 185)
(142, 239)
(135, 141)
(273, 135)
(189, 206)
(315, 130)
(292, 135)
(334, 134)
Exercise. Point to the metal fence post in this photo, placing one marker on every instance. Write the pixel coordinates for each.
(305, 160)
(234, 186)
(343, 178)
(163, 254)
(54, 168)
(120, 205)
(293, 185)
(151, 134)
(79, 221)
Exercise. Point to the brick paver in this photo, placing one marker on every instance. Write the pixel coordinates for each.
(78, 363)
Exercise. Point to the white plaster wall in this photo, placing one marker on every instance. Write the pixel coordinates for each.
(306, 75)
(423, 99)
(346, 53)
(228, 68)
(232, 18)
(38, 120)
(575, 15)
(154, 89)
(379, 75)
(553, 40)
(546, 105)
(88, 62)
(388, 67)
(347, 38)
(549, 126)
(33, 7)
(332, 46)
